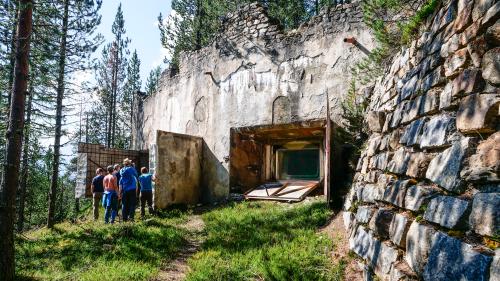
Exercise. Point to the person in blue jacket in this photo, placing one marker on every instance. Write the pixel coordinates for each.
(128, 185)
(146, 184)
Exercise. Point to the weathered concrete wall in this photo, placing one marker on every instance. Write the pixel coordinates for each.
(180, 183)
(425, 203)
(255, 74)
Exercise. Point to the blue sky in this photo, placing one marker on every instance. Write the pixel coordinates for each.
(140, 23)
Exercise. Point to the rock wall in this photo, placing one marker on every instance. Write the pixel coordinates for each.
(425, 201)
(256, 74)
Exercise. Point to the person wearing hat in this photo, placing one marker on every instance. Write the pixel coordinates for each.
(128, 185)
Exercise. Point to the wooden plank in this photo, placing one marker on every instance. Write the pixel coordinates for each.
(299, 192)
(262, 192)
(281, 188)
(259, 191)
(290, 191)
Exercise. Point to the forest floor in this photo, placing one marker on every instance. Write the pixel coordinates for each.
(236, 241)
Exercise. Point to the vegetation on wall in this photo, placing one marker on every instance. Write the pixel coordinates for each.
(391, 30)
(193, 24)
(353, 110)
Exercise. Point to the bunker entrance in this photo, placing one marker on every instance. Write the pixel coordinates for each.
(298, 162)
(283, 162)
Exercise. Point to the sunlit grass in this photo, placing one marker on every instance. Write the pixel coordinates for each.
(245, 241)
(266, 241)
(94, 251)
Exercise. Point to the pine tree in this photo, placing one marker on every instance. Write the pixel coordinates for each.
(177, 31)
(313, 7)
(25, 160)
(290, 13)
(59, 101)
(130, 98)
(111, 77)
(41, 63)
(193, 25)
(14, 140)
(8, 23)
(78, 23)
(153, 80)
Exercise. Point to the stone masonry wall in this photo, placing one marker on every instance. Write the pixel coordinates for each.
(255, 73)
(425, 201)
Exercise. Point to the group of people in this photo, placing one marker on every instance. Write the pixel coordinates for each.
(121, 184)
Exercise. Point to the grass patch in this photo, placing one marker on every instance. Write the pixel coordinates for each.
(94, 251)
(265, 241)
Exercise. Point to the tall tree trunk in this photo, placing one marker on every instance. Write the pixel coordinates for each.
(60, 203)
(59, 101)
(14, 141)
(86, 127)
(114, 90)
(77, 207)
(25, 167)
(113, 119)
(199, 14)
(109, 117)
(12, 56)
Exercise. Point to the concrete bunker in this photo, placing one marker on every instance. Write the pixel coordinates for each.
(226, 101)
(296, 154)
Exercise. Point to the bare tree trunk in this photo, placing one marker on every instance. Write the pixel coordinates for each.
(199, 13)
(114, 91)
(132, 121)
(25, 168)
(87, 127)
(77, 207)
(109, 118)
(59, 101)
(14, 141)
(113, 116)
(60, 203)
(12, 57)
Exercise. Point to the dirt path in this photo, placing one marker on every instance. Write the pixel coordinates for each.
(177, 269)
(336, 231)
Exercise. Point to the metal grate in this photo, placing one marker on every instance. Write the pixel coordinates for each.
(92, 156)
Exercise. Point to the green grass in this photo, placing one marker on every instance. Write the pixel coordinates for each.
(265, 241)
(246, 241)
(94, 251)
